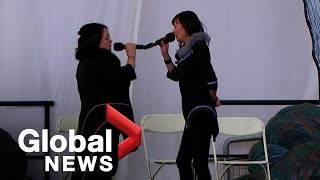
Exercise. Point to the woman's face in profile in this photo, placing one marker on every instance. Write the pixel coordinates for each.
(105, 42)
(179, 31)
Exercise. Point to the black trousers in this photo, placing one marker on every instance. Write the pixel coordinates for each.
(195, 144)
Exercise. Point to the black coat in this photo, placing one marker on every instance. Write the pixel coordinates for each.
(196, 76)
(101, 79)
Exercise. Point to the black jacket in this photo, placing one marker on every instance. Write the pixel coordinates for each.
(101, 79)
(196, 76)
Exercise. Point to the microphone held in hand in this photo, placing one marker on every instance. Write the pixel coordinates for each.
(119, 46)
(168, 38)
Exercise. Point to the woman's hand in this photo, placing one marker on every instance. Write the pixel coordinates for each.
(131, 50)
(131, 53)
(217, 102)
(164, 47)
(215, 98)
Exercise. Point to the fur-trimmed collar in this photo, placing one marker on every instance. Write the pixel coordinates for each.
(186, 50)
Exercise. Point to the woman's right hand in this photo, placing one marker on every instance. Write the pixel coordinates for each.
(131, 50)
(164, 47)
(131, 53)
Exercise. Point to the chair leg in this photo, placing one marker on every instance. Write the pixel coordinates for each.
(216, 171)
(193, 172)
(60, 167)
(268, 172)
(149, 171)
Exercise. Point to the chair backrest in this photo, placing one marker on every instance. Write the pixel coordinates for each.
(237, 126)
(159, 125)
(64, 123)
(163, 123)
(241, 127)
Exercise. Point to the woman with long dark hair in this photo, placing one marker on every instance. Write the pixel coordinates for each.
(101, 79)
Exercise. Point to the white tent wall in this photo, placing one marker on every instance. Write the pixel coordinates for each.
(24, 48)
(259, 49)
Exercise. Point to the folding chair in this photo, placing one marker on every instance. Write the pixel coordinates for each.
(240, 126)
(64, 123)
(160, 123)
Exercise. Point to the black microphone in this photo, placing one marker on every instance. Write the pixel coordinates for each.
(119, 46)
(168, 38)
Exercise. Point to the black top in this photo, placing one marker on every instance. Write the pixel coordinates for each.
(101, 79)
(196, 76)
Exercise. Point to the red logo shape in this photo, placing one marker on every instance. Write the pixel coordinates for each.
(128, 127)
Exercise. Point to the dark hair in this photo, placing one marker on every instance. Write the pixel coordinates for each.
(90, 37)
(189, 21)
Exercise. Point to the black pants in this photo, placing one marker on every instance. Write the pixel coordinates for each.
(195, 145)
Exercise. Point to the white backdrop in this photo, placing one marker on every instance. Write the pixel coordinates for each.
(260, 50)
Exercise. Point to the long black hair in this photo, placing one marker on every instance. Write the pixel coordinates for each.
(89, 40)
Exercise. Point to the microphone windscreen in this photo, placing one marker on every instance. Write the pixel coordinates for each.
(119, 46)
(170, 37)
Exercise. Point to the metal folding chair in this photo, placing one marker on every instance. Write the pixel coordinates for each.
(240, 126)
(160, 123)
